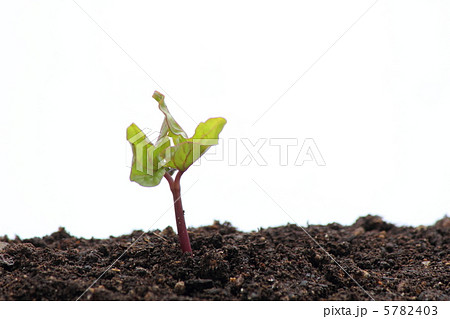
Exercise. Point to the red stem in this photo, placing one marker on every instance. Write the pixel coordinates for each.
(183, 235)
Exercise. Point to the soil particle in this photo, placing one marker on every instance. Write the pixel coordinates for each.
(180, 287)
(280, 263)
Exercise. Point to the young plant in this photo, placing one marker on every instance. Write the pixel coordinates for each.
(172, 152)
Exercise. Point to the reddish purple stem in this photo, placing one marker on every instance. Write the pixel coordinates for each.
(183, 235)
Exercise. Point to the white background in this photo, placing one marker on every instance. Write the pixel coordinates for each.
(376, 102)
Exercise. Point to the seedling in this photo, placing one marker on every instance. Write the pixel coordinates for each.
(173, 152)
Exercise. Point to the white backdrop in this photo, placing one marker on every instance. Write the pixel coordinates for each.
(369, 83)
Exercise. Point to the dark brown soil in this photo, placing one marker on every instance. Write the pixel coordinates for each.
(283, 263)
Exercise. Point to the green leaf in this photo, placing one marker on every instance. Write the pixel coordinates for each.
(146, 169)
(207, 133)
(187, 151)
(170, 127)
(147, 180)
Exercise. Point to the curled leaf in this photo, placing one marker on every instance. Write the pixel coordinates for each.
(170, 126)
(148, 160)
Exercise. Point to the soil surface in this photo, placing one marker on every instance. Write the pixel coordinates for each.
(377, 260)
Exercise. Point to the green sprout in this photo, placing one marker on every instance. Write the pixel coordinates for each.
(173, 151)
